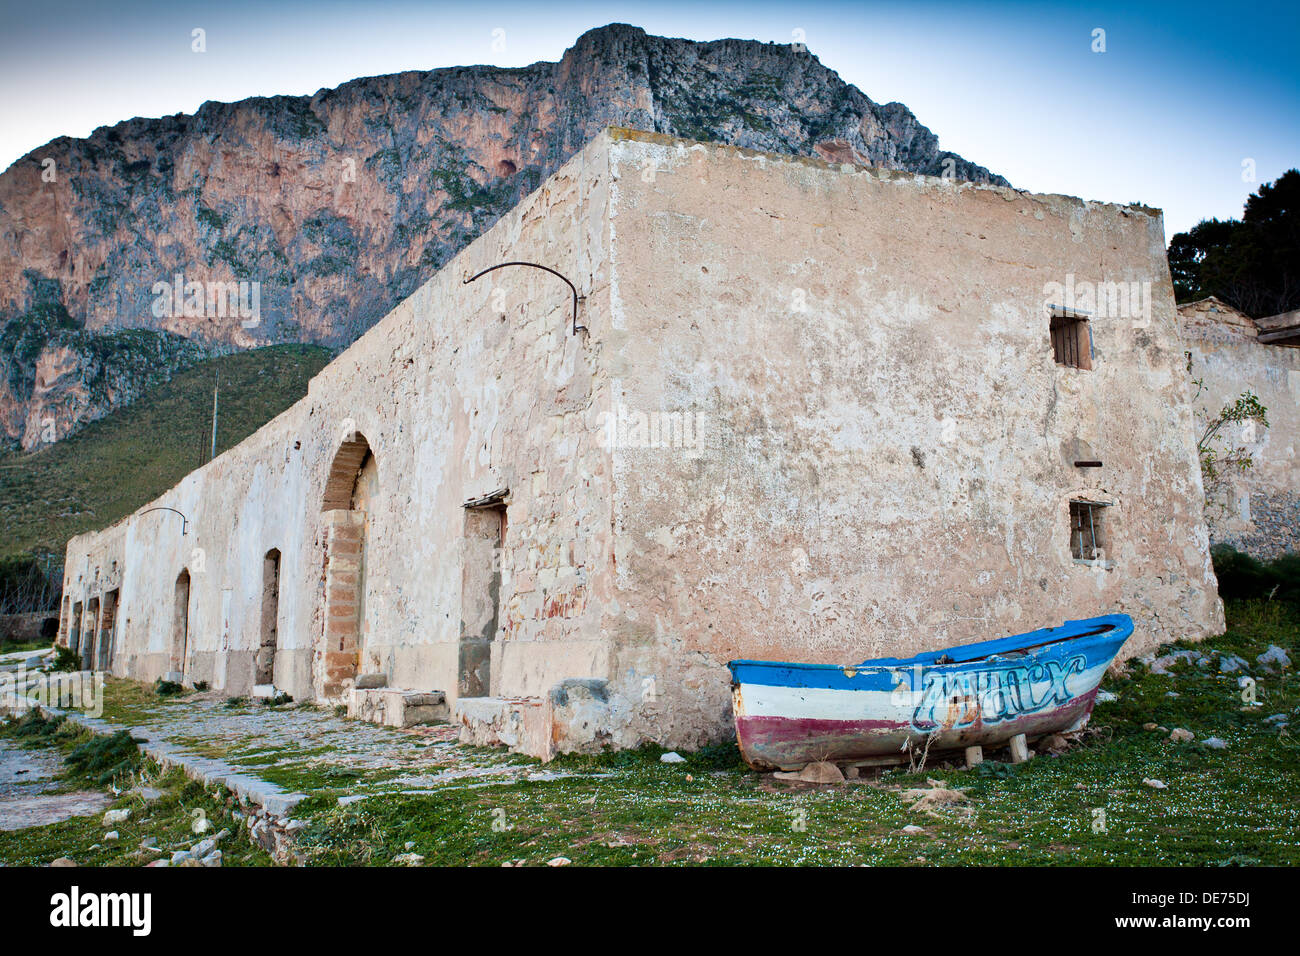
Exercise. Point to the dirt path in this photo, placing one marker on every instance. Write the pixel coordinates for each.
(26, 779)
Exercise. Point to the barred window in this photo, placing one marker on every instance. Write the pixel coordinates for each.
(1089, 538)
(1071, 340)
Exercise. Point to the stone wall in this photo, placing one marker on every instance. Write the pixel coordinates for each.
(816, 416)
(462, 390)
(1257, 511)
(26, 628)
(889, 447)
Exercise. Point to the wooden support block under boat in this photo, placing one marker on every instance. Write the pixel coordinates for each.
(974, 755)
(1019, 749)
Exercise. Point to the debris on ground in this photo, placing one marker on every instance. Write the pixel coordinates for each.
(1215, 743)
(559, 861)
(1155, 784)
(672, 757)
(1181, 735)
(938, 794)
(819, 772)
(1057, 743)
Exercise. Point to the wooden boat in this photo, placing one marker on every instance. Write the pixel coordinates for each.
(1043, 682)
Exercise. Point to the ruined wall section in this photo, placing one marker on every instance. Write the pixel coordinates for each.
(888, 444)
(460, 391)
(1257, 511)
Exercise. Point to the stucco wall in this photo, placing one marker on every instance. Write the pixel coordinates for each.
(889, 444)
(816, 417)
(1257, 510)
(460, 391)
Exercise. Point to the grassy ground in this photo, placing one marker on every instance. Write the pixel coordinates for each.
(167, 816)
(17, 647)
(113, 466)
(1238, 805)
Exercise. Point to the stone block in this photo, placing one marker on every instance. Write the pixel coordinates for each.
(395, 707)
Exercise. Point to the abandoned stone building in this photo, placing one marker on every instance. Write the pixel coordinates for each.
(1258, 509)
(789, 409)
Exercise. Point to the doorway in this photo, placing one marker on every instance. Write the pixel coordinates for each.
(180, 623)
(264, 669)
(485, 535)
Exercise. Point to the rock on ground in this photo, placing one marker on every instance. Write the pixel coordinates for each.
(819, 772)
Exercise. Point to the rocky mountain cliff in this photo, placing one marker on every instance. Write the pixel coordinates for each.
(340, 204)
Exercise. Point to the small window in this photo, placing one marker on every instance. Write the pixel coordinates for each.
(1089, 538)
(1071, 340)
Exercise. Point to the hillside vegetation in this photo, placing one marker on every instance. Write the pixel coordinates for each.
(117, 464)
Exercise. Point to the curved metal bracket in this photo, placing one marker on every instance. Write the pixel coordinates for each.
(185, 522)
(501, 265)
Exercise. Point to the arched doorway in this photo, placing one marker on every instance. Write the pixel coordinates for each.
(180, 626)
(350, 491)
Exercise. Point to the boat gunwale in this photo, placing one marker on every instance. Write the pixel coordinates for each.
(1083, 631)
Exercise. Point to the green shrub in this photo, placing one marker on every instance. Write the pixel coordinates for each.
(1242, 577)
(34, 724)
(103, 759)
(167, 688)
(65, 660)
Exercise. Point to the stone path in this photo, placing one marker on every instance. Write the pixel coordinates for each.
(26, 777)
(276, 756)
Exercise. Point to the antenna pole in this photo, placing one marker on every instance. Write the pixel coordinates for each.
(215, 390)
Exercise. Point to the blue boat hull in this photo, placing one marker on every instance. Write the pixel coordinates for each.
(789, 715)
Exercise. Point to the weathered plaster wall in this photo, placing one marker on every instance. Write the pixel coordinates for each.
(888, 442)
(1259, 510)
(461, 390)
(869, 449)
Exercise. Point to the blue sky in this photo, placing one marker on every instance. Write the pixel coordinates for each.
(1184, 94)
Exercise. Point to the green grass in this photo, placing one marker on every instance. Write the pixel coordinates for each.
(1226, 807)
(116, 465)
(1222, 807)
(132, 703)
(169, 819)
(16, 646)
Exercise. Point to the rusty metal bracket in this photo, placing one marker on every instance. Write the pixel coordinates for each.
(535, 265)
(185, 522)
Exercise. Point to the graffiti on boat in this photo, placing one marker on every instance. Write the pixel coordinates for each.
(956, 699)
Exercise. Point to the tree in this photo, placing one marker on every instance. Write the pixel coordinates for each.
(1253, 263)
(1218, 454)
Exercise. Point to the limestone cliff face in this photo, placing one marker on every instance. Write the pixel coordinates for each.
(340, 204)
